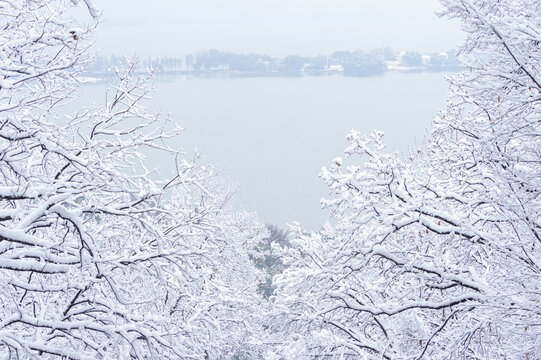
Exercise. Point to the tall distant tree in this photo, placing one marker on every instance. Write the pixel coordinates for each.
(437, 256)
(97, 261)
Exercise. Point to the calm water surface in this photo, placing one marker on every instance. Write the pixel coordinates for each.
(272, 136)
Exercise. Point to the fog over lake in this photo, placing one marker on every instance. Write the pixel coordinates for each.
(272, 136)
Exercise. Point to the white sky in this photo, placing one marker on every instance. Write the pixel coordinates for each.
(274, 27)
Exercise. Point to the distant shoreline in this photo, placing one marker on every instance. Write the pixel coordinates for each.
(97, 77)
(214, 63)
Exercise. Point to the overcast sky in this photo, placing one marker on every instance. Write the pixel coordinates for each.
(274, 27)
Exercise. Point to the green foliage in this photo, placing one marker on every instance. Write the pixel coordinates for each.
(267, 260)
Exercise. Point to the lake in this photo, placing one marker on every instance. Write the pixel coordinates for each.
(272, 135)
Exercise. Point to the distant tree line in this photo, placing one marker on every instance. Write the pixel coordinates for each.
(347, 63)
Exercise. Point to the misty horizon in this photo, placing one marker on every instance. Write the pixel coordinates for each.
(277, 28)
(277, 55)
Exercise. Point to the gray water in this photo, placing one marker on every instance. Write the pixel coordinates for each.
(272, 136)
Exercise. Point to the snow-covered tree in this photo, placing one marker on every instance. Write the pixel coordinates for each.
(436, 256)
(97, 260)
